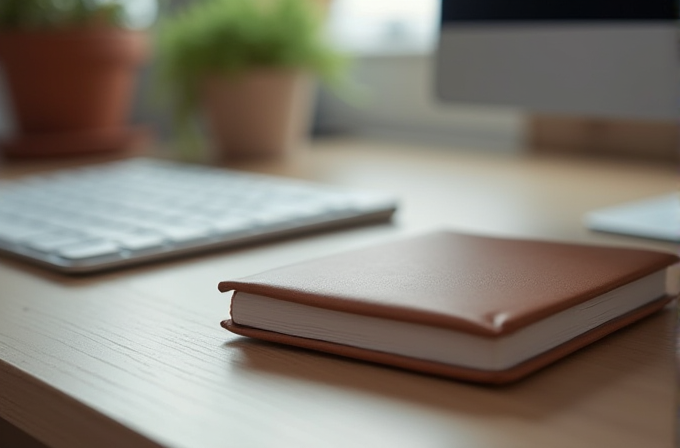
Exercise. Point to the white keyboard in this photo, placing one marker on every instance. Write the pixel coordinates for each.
(116, 214)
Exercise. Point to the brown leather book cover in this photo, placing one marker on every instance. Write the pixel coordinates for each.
(483, 286)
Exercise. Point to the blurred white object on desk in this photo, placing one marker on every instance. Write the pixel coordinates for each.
(657, 218)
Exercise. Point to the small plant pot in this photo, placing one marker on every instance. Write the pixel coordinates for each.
(67, 83)
(260, 113)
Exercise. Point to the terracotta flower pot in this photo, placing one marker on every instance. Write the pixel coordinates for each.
(262, 113)
(71, 82)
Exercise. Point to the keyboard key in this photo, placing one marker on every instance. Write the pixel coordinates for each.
(183, 234)
(51, 241)
(89, 249)
(274, 218)
(230, 225)
(16, 232)
(139, 241)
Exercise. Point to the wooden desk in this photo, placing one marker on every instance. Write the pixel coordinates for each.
(137, 358)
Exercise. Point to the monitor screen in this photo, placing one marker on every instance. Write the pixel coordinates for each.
(599, 58)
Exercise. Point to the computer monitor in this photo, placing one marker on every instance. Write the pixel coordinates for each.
(586, 58)
(600, 58)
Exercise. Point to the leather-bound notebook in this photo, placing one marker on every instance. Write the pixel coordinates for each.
(470, 307)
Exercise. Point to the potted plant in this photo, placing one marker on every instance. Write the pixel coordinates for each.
(242, 66)
(70, 67)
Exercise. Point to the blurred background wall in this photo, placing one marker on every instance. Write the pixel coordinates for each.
(392, 44)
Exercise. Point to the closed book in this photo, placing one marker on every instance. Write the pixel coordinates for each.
(471, 307)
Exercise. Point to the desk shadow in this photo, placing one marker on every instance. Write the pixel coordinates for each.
(552, 390)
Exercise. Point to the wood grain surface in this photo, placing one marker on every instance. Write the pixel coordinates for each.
(137, 358)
